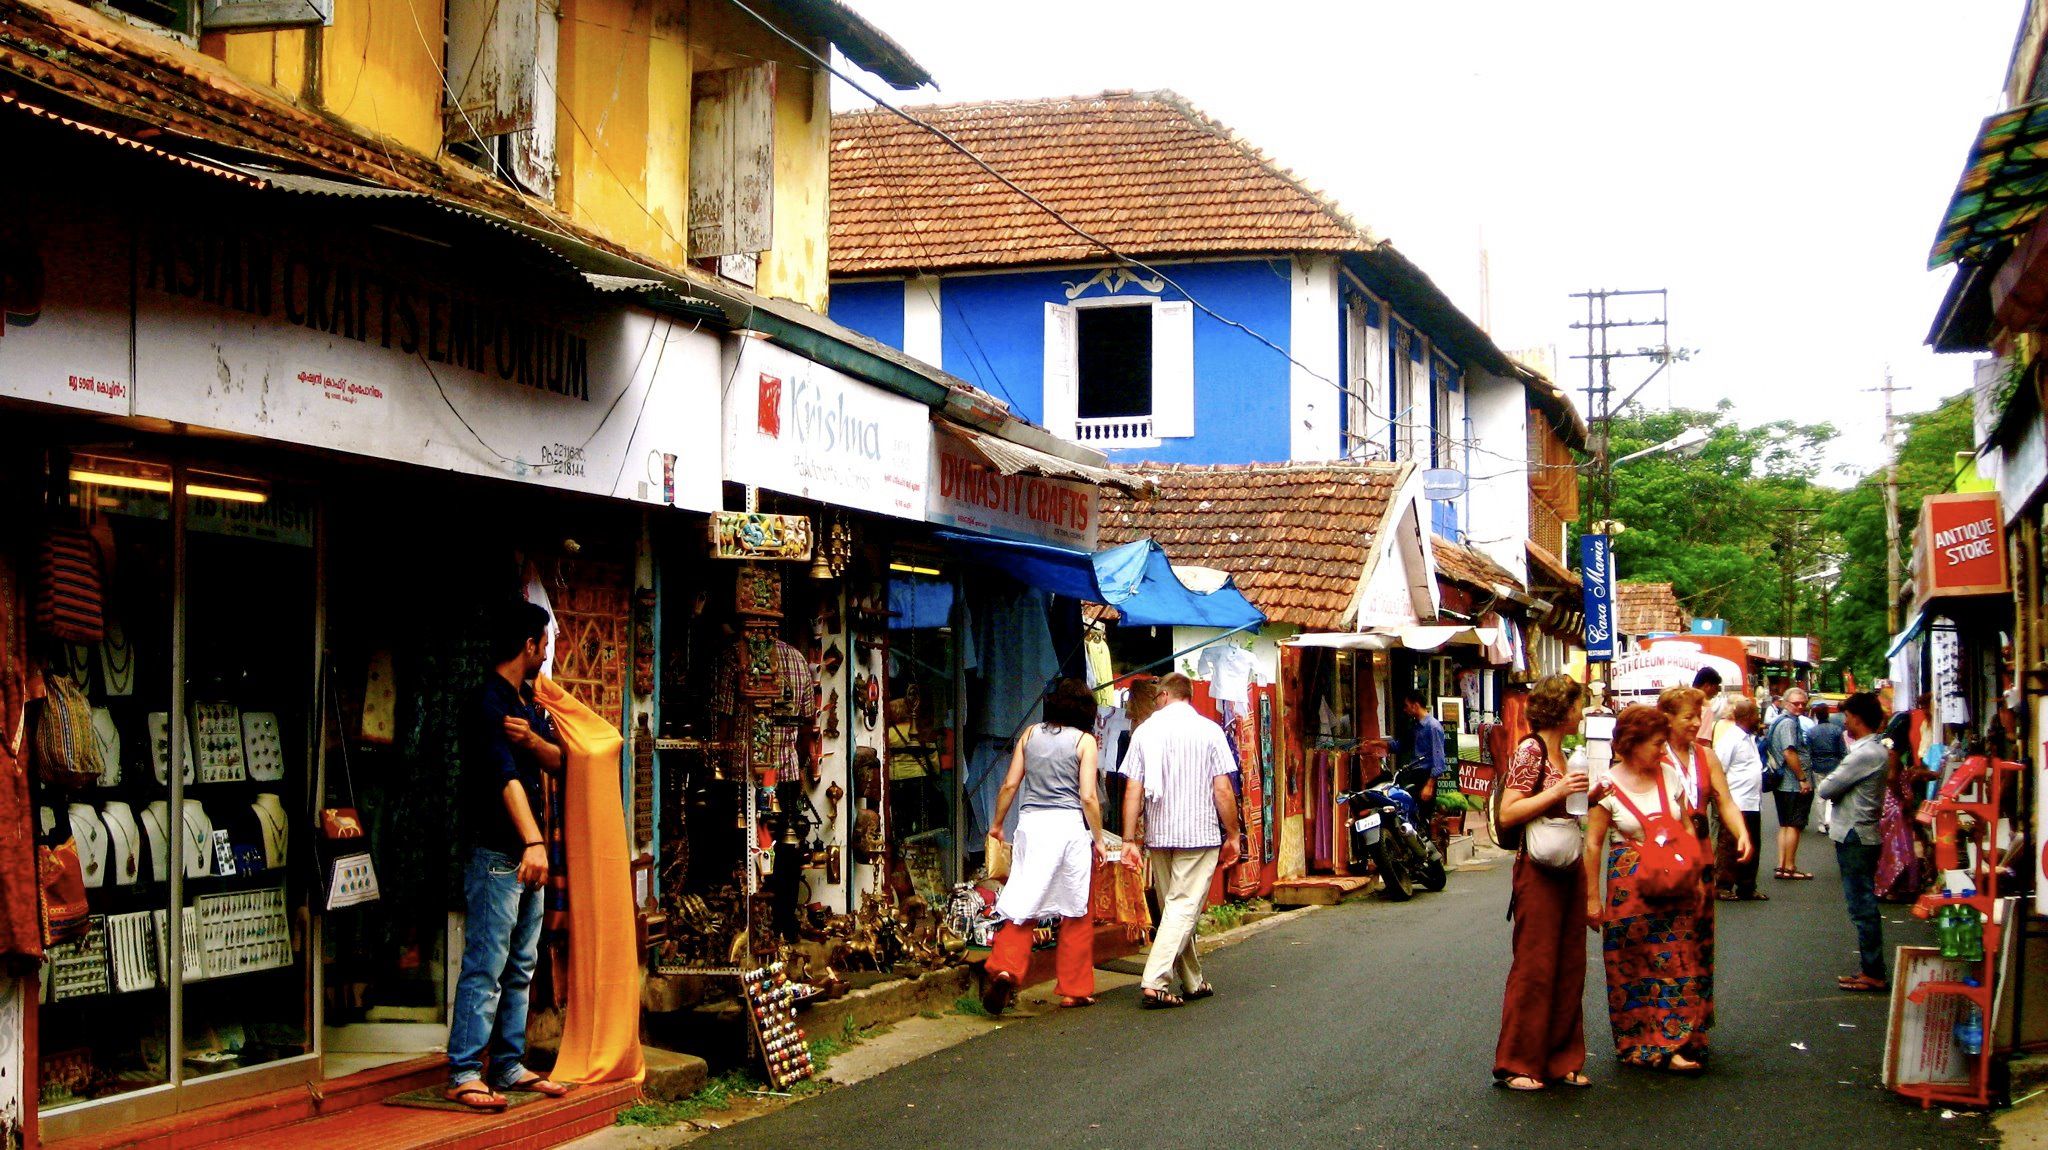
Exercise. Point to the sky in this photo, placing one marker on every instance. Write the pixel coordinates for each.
(1780, 168)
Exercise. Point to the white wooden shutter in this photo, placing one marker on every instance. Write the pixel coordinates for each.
(251, 15)
(732, 161)
(1173, 369)
(530, 152)
(1061, 388)
(494, 55)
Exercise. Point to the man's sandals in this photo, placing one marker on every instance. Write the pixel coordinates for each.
(476, 1096)
(541, 1085)
(1788, 872)
(1862, 982)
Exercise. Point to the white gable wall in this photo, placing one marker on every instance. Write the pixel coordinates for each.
(1315, 406)
(1496, 518)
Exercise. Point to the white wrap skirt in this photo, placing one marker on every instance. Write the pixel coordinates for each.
(1052, 865)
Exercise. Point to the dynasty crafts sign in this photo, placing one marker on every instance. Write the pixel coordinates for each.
(1596, 572)
(1961, 546)
(970, 494)
(803, 429)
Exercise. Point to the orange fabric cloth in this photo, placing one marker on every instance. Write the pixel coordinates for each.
(1074, 961)
(601, 1027)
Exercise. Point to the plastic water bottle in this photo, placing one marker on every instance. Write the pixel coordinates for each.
(1970, 1031)
(1575, 803)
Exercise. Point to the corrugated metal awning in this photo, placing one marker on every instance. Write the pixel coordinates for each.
(1016, 459)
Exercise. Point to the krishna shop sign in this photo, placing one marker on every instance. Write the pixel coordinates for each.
(803, 429)
(969, 494)
(1596, 572)
(1961, 546)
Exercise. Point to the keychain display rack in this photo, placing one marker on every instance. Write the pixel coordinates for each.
(771, 1017)
(1965, 816)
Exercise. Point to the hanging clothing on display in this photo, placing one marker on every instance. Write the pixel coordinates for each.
(1014, 662)
(1101, 670)
(1230, 670)
(21, 931)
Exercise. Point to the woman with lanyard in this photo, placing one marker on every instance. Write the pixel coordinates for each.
(1705, 783)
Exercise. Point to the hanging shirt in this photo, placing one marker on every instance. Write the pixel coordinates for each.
(1229, 670)
(1111, 725)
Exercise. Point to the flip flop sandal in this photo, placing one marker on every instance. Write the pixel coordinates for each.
(1727, 896)
(1076, 1001)
(1800, 875)
(1781, 872)
(540, 1084)
(1528, 1084)
(1862, 984)
(1577, 1079)
(478, 1097)
(1757, 897)
(1159, 1000)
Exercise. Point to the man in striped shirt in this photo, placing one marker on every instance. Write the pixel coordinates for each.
(1179, 769)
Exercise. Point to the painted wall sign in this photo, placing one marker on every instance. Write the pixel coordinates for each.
(2023, 468)
(802, 428)
(1961, 545)
(1596, 572)
(969, 494)
(356, 343)
(755, 535)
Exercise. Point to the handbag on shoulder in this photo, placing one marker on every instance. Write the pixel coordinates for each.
(1669, 855)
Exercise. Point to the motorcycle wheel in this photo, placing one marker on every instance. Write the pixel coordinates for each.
(1434, 876)
(1394, 880)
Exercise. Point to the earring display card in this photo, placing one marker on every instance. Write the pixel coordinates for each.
(195, 963)
(131, 943)
(79, 969)
(245, 931)
(771, 1011)
(262, 745)
(217, 729)
(160, 747)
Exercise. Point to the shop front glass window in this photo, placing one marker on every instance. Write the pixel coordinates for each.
(920, 715)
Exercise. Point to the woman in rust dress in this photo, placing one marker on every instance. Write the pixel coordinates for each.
(1542, 1016)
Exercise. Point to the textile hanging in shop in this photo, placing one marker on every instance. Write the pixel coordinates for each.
(21, 932)
(601, 1027)
(1945, 651)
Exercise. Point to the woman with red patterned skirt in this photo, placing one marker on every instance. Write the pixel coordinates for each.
(1542, 1015)
(1658, 982)
(1705, 785)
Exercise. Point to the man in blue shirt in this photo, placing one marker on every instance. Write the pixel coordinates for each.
(506, 742)
(1425, 746)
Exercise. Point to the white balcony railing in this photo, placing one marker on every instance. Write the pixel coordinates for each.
(1111, 432)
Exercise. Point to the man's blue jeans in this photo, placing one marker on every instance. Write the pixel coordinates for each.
(501, 946)
(1859, 889)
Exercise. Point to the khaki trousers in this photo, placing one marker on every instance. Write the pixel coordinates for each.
(1180, 878)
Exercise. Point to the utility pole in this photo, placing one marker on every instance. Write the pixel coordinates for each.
(1600, 325)
(1891, 509)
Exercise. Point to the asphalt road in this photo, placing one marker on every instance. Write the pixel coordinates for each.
(1373, 1024)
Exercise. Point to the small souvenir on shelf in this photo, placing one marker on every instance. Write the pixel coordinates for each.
(757, 591)
(160, 747)
(223, 854)
(758, 679)
(79, 969)
(217, 729)
(262, 745)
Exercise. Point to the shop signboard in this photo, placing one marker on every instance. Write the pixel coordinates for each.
(1920, 1045)
(64, 336)
(1596, 572)
(969, 494)
(804, 429)
(1961, 545)
(2023, 468)
(757, 535)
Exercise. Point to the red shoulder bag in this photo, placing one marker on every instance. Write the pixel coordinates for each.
(1668, 856)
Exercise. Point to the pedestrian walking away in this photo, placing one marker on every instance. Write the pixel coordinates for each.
(508, 742)
(1058, 842)
(1179, 768)
(1794, 795)
(1542, 1013)
(1659, 991)
(1857, 788)
(1826, 743)
(1744, 769)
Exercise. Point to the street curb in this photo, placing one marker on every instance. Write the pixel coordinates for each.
(1206, 943)
(888, 1002)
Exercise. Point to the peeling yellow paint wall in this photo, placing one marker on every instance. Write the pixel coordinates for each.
(378, 66)
(603, 145)
(795, 269)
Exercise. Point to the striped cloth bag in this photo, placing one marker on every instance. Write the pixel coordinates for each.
(68, 596)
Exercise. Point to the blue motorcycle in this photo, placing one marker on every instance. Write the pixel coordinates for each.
(1386, 821)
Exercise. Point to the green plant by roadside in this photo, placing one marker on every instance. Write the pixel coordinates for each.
(1222, 917)
(970, 1005)
(721, 1092)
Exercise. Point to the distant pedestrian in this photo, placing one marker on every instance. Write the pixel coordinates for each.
(1826, 743)
(1858, 788)
(1794, 797)
(1659, 989)
(1744, 770)
(1179, 768)
(1542, 1017)
(1059, 841)
(1425, 746)
(1707, 681)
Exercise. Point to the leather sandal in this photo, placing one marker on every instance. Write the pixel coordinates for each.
(1206, 990)
(1862, 983)
(540, 1084)
(476, 1096)
(995, 997)
(1160, 1000)
(1524, 1083)
(1576, 1078)
(1076, 1001)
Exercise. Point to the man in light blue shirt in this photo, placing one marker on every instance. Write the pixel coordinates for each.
(1856, 787)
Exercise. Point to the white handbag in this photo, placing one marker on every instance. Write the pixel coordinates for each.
(1555, 842)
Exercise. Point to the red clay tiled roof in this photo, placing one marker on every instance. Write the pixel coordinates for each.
(1648, 608)
(1294, 535)
(1144, 171)
(1462, 564)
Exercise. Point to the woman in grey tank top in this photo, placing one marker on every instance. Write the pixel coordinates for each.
(1058, 843)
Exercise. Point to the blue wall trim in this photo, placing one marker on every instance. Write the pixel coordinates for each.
(873, 308)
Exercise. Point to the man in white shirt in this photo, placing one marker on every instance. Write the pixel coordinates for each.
(1179, 767)
(1744, 770)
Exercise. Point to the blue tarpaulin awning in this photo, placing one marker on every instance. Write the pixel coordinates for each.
(1137, 579)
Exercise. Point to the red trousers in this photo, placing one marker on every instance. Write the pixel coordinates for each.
(1075, 960)
(1542, 1023)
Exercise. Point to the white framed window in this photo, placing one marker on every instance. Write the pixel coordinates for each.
(1120, 372)
(1365, 373)
(1411, 403)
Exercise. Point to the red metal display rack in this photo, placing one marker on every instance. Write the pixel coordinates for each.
(1967, 811)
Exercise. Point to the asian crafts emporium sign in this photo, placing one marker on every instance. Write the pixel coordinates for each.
(969, 494)
(801, 428)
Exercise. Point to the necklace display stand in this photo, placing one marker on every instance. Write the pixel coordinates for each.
(198, 841)
(276, 828)
(108, 736)
(156, 831)
(91, 836)
(160, 747)
(117, 662)
(124, 843)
